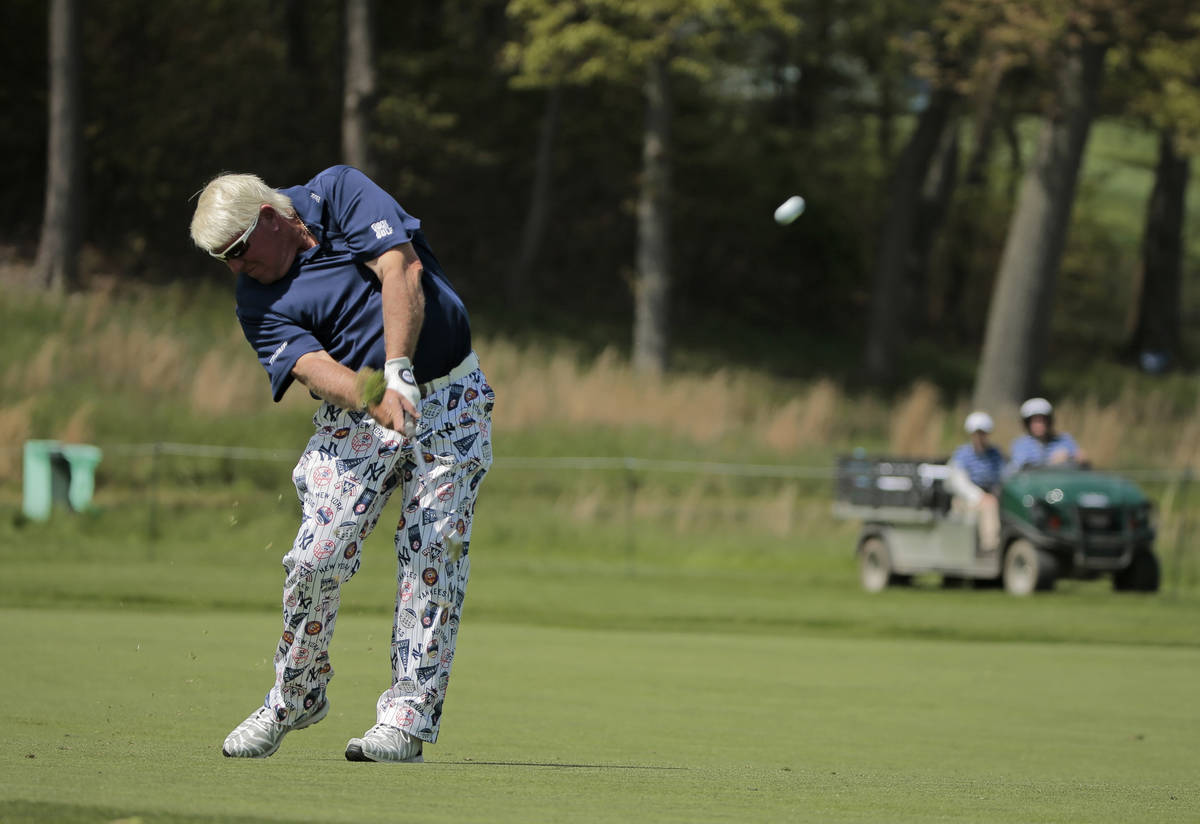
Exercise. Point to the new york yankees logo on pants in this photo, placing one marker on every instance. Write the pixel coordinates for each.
(346, 475)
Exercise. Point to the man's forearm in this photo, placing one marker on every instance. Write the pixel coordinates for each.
(329, 380)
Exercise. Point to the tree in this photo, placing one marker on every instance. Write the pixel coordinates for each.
(1166, 95)
(638, 45)
(889, 301)
(650, 331)
(952, 50)
(539, 198)
(58, 251)
(358, 96)
(932, 207)
(1017, 334)
(966, 231)
(1160, 277)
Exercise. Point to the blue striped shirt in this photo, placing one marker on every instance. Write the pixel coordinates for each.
(983, 468)
(1028, 451)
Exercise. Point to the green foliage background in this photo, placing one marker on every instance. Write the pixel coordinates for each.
(176, 92)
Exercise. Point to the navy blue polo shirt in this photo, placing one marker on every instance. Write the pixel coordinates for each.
(330, 300)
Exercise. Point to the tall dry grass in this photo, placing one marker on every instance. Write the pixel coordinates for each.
(228, 380)
(919, 421)
(16, 427)
(78, 428)
(804, 420)
(129, 347)
(540, 387)
(102, 346)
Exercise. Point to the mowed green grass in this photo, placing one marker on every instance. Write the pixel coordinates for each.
(121, 713)
(607, 671)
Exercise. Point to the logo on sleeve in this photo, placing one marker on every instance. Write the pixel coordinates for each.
(381, 228)
(282, 346)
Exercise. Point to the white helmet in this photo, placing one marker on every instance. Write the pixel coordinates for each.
(1036, 406)
(978, 422)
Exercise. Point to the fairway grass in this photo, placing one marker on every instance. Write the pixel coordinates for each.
(120, 713)
(608, 671)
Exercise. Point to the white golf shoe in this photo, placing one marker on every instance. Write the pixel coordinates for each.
(385, 743)
(260, 734)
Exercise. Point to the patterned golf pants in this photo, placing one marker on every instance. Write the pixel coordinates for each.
(350, 468)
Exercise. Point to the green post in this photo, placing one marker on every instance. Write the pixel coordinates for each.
(57, 473)
(83, 460)
(38, 480)
(631, 488)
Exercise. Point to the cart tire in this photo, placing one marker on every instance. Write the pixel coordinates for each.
(874, 565)
(1142, 575)
(1027, 568)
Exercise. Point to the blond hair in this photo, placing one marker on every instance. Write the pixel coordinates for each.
(228, 204)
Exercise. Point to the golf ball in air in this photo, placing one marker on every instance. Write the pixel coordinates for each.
(789, 210)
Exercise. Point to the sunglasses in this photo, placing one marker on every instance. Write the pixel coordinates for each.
(239, 246)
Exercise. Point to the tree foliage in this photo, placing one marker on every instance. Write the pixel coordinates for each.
(768, 98)
(611, 41)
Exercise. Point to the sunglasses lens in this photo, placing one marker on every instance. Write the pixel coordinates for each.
(239, 246)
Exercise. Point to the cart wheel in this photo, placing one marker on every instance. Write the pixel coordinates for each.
(1142, 574)
(874, 565)
(1027, 568)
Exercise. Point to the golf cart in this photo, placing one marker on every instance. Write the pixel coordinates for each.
(1061, 522)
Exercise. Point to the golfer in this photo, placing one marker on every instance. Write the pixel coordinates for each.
(336, 281)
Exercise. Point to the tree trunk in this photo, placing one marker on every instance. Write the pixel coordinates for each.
(984, 130)
(295, 22)
(539, 201)
(963, 250)
(885, 133)
(931, 214)
(1160, 292)
(1015, 162)
(964, 226)
(358, 96)
(888, 310)
(57, 263)
(653, 219)
(1018, 325)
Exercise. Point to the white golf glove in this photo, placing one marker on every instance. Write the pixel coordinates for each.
(399, 375)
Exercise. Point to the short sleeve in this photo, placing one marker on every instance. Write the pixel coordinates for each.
(1068, 443)
(279, 343)
(958, 458)
(1018, 455)
(371, 221)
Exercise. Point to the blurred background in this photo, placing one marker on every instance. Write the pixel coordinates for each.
(998, 205)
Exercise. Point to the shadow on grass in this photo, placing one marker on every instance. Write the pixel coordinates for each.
(467, 762)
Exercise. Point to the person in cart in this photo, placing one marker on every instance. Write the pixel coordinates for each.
(1042, 445)
(976, 472)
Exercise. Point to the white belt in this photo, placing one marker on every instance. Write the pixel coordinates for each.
(469, 364)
